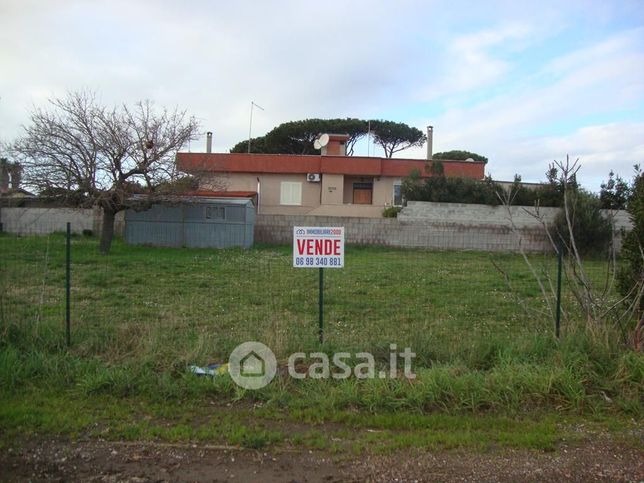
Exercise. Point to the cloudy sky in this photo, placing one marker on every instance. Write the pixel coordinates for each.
(520, 82)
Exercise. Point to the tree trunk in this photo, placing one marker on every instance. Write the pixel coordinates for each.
(107, 230)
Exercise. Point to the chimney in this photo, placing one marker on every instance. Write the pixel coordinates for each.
(430, 141)
(16, 174)
(4, 176)
(332, 144)
(209, 142)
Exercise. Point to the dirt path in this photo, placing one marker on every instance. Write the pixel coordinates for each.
(56, 460)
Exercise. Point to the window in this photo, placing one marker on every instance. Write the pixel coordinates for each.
(215, 212)
(398, 198)
(291, 193)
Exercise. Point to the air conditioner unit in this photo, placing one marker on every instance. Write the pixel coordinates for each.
(313, 177)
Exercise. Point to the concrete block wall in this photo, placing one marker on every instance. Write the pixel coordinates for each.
(42, 221)
(461, 213)
(443, 226)
(393, 232)
(521, 216)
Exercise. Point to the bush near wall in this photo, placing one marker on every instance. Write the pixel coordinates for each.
(391, 211)
(442, 189)
(591, 230)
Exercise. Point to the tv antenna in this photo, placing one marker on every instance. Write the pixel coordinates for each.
(250, 125)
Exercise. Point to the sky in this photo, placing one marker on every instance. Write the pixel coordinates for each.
(523, 83)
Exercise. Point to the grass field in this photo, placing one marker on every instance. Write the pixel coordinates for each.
(489, 370)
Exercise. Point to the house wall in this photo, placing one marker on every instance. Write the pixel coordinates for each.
(333, 195)
(332, 189)
(270, 189)
(383, 191)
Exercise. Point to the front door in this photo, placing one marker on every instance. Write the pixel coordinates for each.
(362, 193)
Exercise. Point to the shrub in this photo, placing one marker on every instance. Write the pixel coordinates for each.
(439, 188)
(391, 211)
(592, 231)
(444, 189)
(614, 193)
(632, 270)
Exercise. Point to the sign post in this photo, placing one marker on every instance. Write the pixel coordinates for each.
(318, 247)
(321, 306)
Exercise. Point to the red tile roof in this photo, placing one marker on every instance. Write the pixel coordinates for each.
(302, 164)
(220, 194)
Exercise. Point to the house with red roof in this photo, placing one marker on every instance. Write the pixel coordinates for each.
(329, 184)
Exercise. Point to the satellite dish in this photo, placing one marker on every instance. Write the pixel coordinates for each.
(469, 160)
(316, 144)
(323, 140)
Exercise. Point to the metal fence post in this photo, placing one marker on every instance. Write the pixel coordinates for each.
(68, 335)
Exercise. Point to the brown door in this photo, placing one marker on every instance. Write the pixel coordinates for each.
(361, 194)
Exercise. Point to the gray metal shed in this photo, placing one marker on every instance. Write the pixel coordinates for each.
(193, 222)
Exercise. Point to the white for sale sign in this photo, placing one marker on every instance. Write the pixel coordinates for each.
(318, 247)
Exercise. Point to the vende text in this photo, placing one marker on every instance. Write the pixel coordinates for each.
(318, 247)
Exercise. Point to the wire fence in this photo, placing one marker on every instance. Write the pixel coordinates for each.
(175, 306)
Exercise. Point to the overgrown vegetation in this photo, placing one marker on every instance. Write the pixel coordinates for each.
(631, 274)
(489, 370)
(615, 192)
(477, 350)
(391, 211)
(580, 230)
(440, 188)
(591, 229)
(454, 189)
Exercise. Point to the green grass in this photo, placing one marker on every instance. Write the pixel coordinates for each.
(486, 356)
(32, 413)
(35, 413)
(181, 305)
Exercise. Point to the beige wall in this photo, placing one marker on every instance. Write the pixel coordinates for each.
(270, 189)
(332, 196)
(383, 191)
(332, 189)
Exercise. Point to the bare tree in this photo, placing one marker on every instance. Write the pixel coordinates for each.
(91, 155)
(596, 299)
